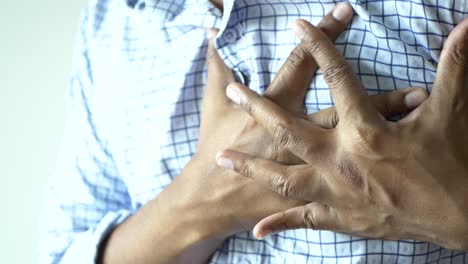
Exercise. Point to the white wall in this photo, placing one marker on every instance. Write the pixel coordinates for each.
(36, 41)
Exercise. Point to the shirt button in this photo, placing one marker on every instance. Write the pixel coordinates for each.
(230, 35)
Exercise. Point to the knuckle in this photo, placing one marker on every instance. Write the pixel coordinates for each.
(313, 47)
(251, 102)
(335, 73)
(297, 57)
(309, 217)
(284, 186)
(248, 107)
(247, 168)
(290, 139)
(281, 133)
(333, 120)
(459, 56)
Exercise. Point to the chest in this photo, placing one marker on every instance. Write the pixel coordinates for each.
(153, 94)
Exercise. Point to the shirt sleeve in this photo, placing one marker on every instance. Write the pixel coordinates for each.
(85, 198)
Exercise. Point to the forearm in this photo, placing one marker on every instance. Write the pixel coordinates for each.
(163, 231)
(148, 238)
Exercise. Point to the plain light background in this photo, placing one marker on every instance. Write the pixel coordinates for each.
(36, 42)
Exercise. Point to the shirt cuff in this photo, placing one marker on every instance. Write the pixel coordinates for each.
(85, 246)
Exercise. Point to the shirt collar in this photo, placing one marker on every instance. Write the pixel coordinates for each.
(199, 13)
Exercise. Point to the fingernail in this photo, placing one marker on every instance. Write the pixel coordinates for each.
(299, 30)
(343, 11)
(224, 162)
(233, 93)
(414, 98)
(261, 234)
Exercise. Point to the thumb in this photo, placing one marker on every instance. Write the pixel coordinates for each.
(452, 71)
(387, 104)
(219, 75)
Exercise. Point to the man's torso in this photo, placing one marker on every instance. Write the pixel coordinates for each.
(149, 74)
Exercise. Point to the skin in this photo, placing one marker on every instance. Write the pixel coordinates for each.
(218, 4)
(368, 176)
(206, 204)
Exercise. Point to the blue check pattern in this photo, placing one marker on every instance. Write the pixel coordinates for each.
(135, 93)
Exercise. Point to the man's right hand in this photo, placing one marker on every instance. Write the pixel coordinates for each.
(206, 204)
(370, 177)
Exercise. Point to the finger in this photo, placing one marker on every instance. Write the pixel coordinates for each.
(219, 75)
(362, 221)
(452, 71)
(399, 101)
(299, 136)
(290, 84)
(351, 100)
(313, 216)
(388, 104)
(289, 181)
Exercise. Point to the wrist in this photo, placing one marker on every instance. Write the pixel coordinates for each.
(195, 239)
(190, 209)
(157, 226)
